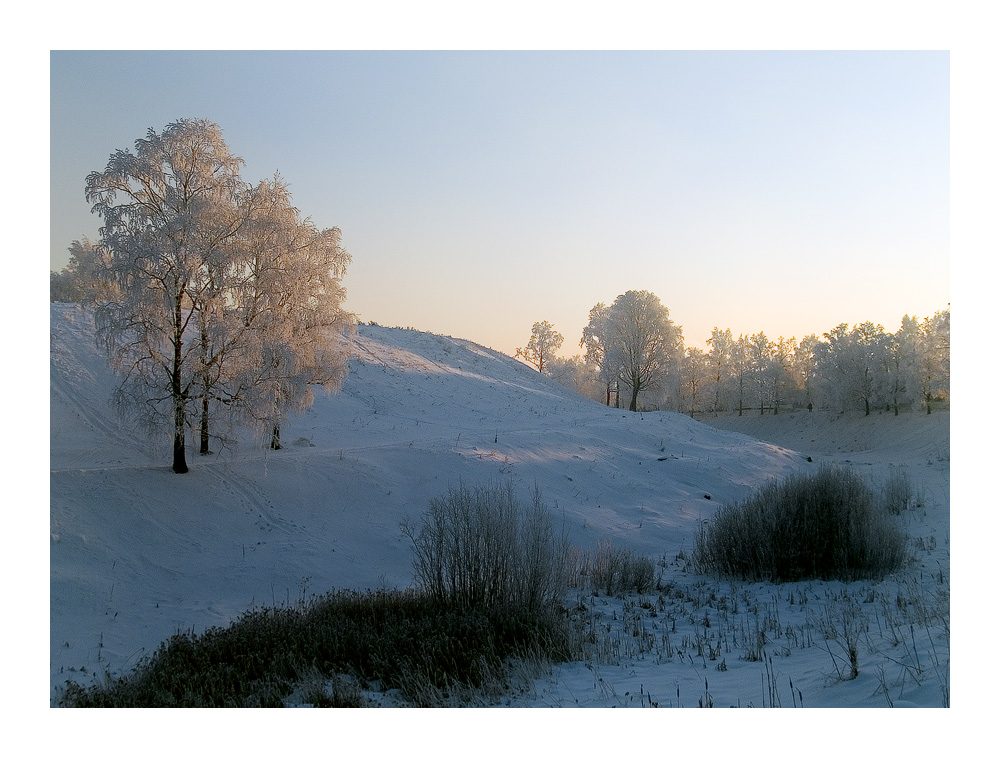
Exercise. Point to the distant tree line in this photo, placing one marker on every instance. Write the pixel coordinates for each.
(632, 349)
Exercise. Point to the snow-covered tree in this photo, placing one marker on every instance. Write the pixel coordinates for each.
(871, 347)
(642, 341)
(720, 360)
(696, 380)
(804, 369)
(743, 368)
(852, 365)
(80, 281)
(761, 349)
(181, 245)
(289, 289)
(167, 210)
(579, 375)
(542, 346)
(782, 380)
(934, 357)
(595, 341)
(903, 379)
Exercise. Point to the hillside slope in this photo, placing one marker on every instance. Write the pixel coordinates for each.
(138, 552)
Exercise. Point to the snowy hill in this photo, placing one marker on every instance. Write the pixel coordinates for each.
(138, 552)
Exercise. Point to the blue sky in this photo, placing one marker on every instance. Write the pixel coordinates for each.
(479, 192)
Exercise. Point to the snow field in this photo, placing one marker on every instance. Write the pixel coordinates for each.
(137, 552)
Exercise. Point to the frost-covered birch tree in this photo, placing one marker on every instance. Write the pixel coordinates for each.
(167, 210)
(194, 322)
(290, 291)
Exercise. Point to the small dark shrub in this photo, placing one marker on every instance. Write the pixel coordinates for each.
(616, 571)
(898, 491)
(826, 525)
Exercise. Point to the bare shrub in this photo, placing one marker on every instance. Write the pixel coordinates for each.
(898, 491)
(480, 547)
(827, 525)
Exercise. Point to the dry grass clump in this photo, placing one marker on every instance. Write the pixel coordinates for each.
(617, 571)
(827, 525)
(898, 491)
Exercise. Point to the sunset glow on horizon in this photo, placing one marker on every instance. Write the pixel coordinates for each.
(481, 192)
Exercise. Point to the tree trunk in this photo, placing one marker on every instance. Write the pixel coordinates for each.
(204, 427)
(205, 385)
(180, 464)
(634, 405)
(276, 438)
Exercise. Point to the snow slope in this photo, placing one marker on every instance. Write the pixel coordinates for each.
(138, 552)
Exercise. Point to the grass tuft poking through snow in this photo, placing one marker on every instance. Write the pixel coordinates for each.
(827, 525)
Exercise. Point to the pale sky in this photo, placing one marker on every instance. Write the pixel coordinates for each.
(480, 192)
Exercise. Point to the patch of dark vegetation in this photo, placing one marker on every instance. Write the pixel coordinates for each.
(827, 525)
(406, 640)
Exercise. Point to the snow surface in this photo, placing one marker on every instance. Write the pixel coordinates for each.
(137, 552)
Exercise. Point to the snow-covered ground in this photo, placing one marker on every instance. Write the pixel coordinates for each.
(137, 552)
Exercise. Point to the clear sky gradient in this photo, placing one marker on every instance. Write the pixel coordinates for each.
(480, 192)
